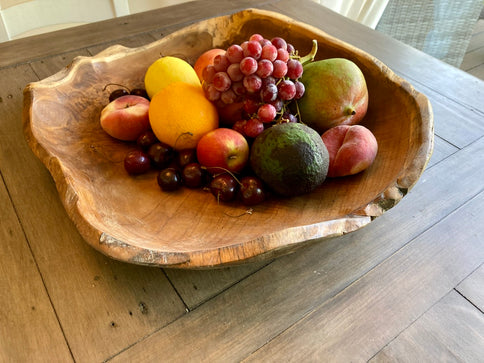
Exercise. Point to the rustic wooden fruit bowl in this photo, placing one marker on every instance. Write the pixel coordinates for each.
(131, 219)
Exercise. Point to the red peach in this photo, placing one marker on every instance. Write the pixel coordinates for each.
(126, 117)
(351, 148)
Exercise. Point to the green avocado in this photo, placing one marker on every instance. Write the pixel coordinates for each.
(290, 158)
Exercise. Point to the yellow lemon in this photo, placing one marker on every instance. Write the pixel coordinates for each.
(167, 70)
(180, 115)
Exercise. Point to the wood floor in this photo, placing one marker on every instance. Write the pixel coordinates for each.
(473, 62)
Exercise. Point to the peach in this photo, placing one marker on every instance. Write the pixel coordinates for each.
(126, 118)
(351, 148)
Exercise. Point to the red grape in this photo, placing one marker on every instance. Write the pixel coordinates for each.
(235, 53)
(264, 68)
(282, 55)
(286, 90)
(221, 81)
(208, 73)
(253, 127)
(280, 68)
(269, 52)
(253, 49)
(300, 89)
(234, 72)
(252, 83)
(279, 42)
(294, 69)
(256, 37)
(268, 93)
(248, 65)
(221, 62)
(266, 113)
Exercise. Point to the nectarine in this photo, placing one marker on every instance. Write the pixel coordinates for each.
(351, 148)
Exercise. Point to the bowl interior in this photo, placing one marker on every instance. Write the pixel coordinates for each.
(103, 200)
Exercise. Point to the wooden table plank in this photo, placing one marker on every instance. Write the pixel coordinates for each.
(29, 330)
(361, 320)
(280, 294)
(452, 330)
(100, 303)
(195, 287)
(472, 288)
(442, 149)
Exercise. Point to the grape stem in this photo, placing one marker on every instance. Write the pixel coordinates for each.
(311, 55)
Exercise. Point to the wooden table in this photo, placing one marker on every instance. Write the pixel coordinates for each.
(410, 286)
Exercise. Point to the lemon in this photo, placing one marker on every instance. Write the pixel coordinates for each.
(167, 70)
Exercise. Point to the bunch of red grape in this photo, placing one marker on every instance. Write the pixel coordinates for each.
(261, 74)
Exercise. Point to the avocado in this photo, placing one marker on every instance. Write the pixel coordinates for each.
(290, 158)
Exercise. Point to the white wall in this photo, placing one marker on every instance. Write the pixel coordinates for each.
(21, 18)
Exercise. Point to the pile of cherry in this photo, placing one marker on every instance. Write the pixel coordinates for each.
(180, 168)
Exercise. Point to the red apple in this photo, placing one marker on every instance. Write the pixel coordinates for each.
(126, 117)
(221, 149)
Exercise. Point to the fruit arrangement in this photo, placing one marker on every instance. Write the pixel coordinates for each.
(246, 122)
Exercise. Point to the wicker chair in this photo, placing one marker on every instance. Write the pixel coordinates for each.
(441, 28)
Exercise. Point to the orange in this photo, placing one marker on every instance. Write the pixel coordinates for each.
(180, 115)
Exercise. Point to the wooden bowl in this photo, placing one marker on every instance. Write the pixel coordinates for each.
(132, 220)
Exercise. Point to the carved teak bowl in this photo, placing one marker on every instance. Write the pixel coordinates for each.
(131, 219)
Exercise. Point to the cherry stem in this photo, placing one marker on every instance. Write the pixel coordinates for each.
(225, 170)
(187, 133)
(116, 84)
(248, 211)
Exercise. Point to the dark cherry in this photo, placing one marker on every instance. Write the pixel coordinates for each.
(185, 157)
(146, 139)
(194, 176)
(139, 92)
(169, 179)
(161, 154)
(117, 93)
(251, 191)
(224, 187)
(136, 162)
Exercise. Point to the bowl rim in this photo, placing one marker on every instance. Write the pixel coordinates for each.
(248, 251)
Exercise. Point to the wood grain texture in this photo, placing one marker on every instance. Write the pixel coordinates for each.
(358, 322)
(472, 288)
(26, 314)
(99, 302)
(237, 310)
(147, 228)
(451, 331)
(267, 303)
